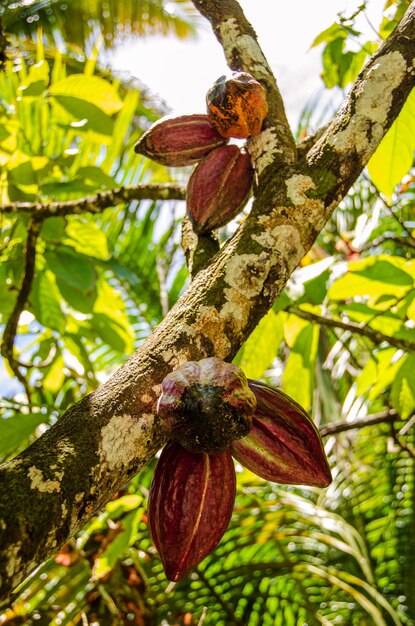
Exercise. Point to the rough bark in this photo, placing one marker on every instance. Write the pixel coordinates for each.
(58, 483)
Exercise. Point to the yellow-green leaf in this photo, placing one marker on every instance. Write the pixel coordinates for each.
(394, 156)
(92, 89)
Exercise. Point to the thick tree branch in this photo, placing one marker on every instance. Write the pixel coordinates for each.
(366, 331)
(243, 53)
(52, 488)
(100, 201)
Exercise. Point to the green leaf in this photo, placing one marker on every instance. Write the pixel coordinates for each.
(403, 388)
(87, 115)
(91, 89)
(261, 348)
(55, 377)
(394, 155)
(374, 277)
(335, 31)
(70, 268)
(298, 376)
(46, 300)
(378, 373)
(110, 320)
(86, 237)
(112, 332)
(14, 431)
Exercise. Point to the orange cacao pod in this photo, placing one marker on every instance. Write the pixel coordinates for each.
(190, 505)
(219, 188)
(177, 141)
(237, 105)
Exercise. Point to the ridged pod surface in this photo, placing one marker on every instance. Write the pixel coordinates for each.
(219, 188)
(190, 505)
(206, 404)
(237, 105)
(178, 141)
(284, 444)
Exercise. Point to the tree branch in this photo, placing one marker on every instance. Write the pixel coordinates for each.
(9, 335)
(374, 335)
(243, 53)
(100, 201)
(59, 482)
(370, 420)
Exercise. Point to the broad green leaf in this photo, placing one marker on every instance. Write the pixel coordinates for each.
(298, 376)
(77, 272)
(55, 377)
(261, 348)
(46, 301)
(335, 31)
(403, 388)
(92, 89)
(112, 331)
(110, 320)
(394, 155)
(85, 116)
(53, 229)
(379, 373)
(372, 277)
(14, 431)
(86, 237)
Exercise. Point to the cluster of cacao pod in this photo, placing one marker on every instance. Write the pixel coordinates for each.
(220, 185)
(212, 412)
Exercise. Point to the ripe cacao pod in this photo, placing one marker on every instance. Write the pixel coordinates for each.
(284, 444)
(219, 188)
(177, 141)
(237, 105)
(190, 505)
(206, 404)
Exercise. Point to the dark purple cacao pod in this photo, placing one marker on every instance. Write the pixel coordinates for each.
(206, 404)
(284, 444)
(190, 505)
(219, 188)
(177, 141)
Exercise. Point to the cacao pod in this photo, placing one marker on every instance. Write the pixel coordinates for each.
(219, 188)
(190, 505)
(206, 404)
(237, 105)
(284, 444)
(177, 141)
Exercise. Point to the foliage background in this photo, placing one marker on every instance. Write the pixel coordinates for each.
(340, 340)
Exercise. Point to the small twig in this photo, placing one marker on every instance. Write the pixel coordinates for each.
(7, 346)
(374, 335)
(388, 207)
(379, 240)
(377, 418)
(100, 201)
(398, 443)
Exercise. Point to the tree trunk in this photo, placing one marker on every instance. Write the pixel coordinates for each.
(57, 484)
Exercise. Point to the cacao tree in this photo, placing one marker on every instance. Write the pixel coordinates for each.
(73, 230)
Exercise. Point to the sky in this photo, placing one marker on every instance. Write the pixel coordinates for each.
(181, 72)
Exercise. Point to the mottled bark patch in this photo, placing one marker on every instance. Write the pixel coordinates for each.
(38, 482)
(124, 439)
